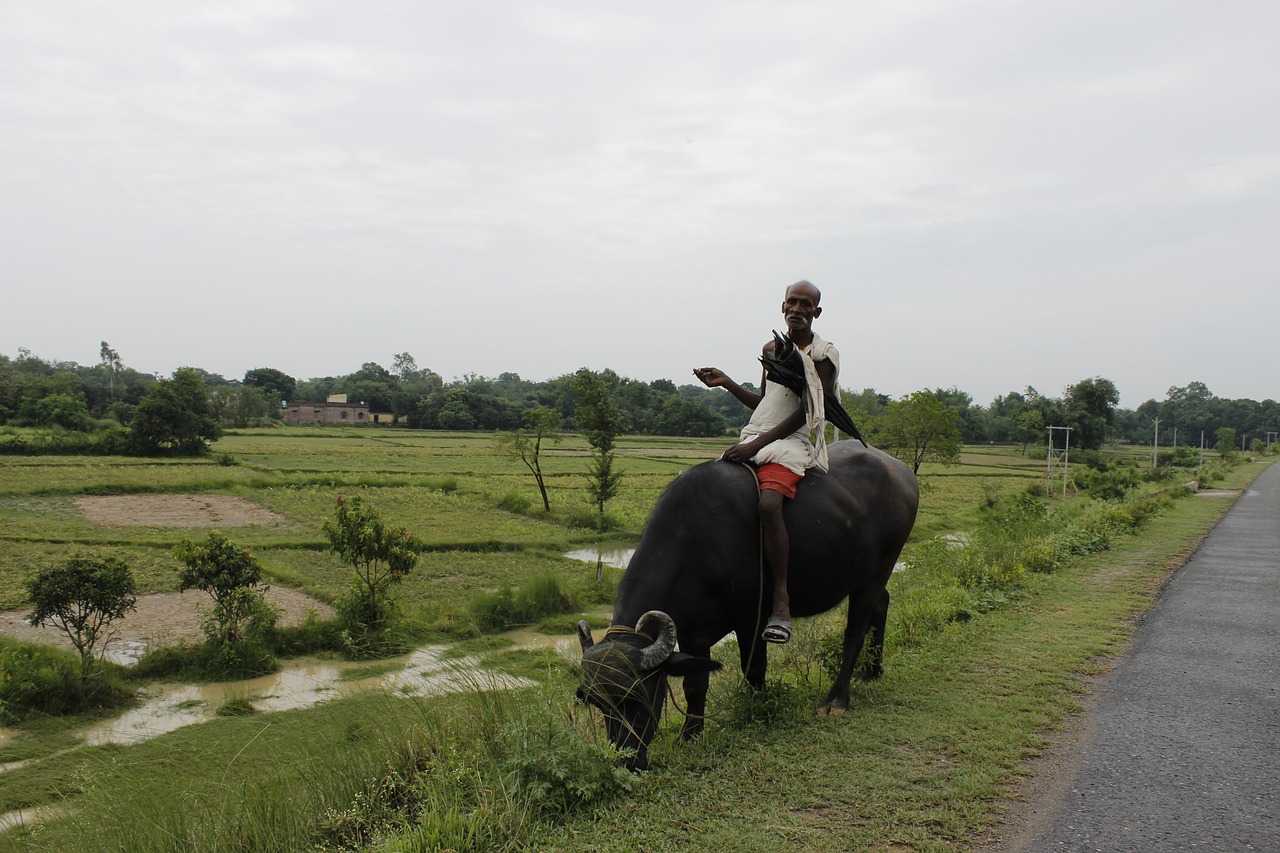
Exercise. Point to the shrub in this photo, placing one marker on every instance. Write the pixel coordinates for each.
(587, 519)
(42, 680)
(82, 598)
(380, 555)
(513, 501)
(230, 575)
(547, 763)
(507, 607)
(1108, 485)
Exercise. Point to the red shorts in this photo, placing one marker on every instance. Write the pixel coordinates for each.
(778, 478)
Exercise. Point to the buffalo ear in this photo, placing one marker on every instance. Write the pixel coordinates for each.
(681, 664)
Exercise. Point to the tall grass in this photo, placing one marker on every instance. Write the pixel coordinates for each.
(511, 606)
(954, 579)
(469, 772)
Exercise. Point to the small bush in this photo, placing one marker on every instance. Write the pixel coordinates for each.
(1108, 485)
(240, 706)
(513, 501)
(40, 680)
(205, 662)
(312, 635)
(1179, 457)
(508, 607)
(582, 518)
(547, 763)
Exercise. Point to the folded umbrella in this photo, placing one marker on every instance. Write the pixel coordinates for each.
(785, 365)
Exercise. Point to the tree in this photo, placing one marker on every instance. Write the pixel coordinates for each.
(919, 427)
(1031, 425)
(381, 556)
(1225, 441)
(599, 420)
(113, 365)
(243, 405)
(404, 366)
(82, 598)
(174, 417)
(1090, 408)
(230, 575)
(970, 419)
(275, 382)
(64, 410)
(525, 443)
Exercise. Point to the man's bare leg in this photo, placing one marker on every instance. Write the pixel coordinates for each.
(777, 547)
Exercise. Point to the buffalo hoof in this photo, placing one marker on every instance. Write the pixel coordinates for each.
(870, 673)
(832, 709)
(690, 732)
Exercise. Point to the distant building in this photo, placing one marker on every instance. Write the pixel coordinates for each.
(335, 410)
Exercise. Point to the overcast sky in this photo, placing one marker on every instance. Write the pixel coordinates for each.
(990, 195)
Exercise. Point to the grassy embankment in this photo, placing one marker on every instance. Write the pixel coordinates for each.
(919, 760)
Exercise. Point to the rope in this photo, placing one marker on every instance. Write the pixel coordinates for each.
(755, 635)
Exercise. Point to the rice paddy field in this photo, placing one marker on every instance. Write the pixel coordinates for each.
(996, 626)
(454, 491)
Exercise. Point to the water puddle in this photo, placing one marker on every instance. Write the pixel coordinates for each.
(29, 816)
(608, 555)
(301, 684)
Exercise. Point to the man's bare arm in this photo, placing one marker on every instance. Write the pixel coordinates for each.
(714, 377)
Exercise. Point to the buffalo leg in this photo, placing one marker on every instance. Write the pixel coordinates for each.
(861, 607)
(695, 698)
(874, 667)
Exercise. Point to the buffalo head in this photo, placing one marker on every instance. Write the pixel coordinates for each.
(625, 676)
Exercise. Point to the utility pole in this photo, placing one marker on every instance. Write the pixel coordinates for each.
(1155, 441)
(1055, 456)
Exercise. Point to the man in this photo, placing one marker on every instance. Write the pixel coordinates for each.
(776, 440)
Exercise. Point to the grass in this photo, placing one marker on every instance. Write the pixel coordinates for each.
(924, 757)
(975, 678)
(921, 761)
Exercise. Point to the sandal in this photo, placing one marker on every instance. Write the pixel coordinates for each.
(777, 631)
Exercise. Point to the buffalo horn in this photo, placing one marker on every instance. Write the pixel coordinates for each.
(656, 653)
(584, 635)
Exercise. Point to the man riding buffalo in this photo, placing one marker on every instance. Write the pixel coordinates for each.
(777, 438)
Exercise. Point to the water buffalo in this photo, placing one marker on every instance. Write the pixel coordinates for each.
(697, 571)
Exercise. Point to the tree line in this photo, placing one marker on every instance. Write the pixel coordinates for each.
(183, 412)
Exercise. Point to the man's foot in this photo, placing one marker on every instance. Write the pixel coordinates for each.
(777, 631)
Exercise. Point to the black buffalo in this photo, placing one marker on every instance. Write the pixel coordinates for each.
(697, 571)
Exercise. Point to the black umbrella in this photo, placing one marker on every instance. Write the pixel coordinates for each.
(785, 365)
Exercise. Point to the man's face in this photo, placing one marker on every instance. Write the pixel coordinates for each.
(800, 308)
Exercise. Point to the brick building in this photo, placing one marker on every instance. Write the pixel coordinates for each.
(335, 410)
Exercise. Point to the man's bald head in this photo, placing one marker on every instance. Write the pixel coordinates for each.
(814, 293)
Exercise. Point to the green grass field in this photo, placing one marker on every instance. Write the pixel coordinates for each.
(976, 681)
(445, 487)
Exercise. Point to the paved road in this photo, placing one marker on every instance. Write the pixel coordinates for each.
(1182, 749)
